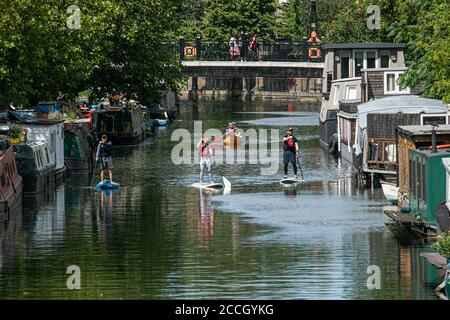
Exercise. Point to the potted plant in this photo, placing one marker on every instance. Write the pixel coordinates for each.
(443, 246)
(15, 134)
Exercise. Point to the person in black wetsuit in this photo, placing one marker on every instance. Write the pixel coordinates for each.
(104, 154)
(290, 153)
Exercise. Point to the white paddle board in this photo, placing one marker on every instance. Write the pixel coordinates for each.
(290, 180)
(207, 185)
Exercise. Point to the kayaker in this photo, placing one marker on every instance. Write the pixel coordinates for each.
(104, 154)
(229, 132)
(290, 153)
(206, 157)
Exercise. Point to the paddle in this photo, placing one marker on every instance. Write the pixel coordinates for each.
(226, 182)
(300, 167)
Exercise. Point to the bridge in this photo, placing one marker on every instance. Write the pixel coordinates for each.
(276, 70)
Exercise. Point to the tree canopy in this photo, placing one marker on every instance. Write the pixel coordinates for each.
(121, 46)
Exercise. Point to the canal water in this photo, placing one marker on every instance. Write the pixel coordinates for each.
(159, 238)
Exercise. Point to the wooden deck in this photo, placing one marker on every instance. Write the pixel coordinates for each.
(403, 218)
(435, 259)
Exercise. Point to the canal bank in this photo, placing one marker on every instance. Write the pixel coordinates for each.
(158, 238)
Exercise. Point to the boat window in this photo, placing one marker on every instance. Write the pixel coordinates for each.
(385, 58)
(428, 119)
(351, 93)
(371, 59)
(337, 91)
(359, 62)
(345, 62)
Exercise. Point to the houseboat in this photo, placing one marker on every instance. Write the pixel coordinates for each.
(79, 155)
(372, 145)
(37, 165)
(356, 73)
(412, 138)
(443, 209)
(52, 133)
(124, 125)
(10, 181)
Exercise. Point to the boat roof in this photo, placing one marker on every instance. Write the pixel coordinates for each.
(395, 104)
(423, 130)
(367, 45)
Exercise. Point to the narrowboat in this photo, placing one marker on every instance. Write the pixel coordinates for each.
(10, 181)
(37, 166)
(124, 125)
(79, 155)
(356, 73)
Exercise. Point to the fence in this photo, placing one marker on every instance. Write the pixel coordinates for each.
(266, 51)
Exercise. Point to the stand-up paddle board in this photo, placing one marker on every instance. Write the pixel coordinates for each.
(107, 185)
(291, 180)
(207, 185)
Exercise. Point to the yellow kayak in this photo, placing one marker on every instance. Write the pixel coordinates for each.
(232, 142)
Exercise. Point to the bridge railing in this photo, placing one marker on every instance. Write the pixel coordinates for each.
(266, 51)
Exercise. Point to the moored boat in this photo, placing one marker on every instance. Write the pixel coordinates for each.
(10, 182)
(390, 191)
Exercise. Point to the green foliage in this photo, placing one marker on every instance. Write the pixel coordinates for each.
(39, 55)
(224, 18)
(14, 131)
(443, 245)
(424, 26)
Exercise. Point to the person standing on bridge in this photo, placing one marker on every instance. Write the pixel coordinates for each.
(254, 46)
(234, 49)
(242, 43)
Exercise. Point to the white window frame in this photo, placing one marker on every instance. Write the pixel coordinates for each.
(349, 54)
(389, 57)
(347, 91)
(397, 88)
(429, 115)
(337, 92)
(354, 60)
(376, 58)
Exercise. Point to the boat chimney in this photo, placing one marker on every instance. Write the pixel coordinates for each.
(433, 138)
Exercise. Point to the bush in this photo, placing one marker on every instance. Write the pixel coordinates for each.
(443, 245)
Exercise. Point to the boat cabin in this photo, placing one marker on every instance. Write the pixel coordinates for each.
(443, 210)
(52, 132)
(356, 73)
(373, 149)
(427, 181)
(36, 164)
(124, 125)
(78, 146)
(416, 137)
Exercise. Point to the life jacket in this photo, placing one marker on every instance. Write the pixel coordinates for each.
(290, 143)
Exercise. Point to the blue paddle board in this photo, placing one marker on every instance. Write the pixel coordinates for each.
(107, 184)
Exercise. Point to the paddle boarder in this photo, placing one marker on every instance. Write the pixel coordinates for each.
(104, 154)
(206, 157)
(290, 153)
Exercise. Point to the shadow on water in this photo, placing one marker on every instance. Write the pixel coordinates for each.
(158, 238)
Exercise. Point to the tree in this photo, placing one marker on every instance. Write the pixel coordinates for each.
(120, 47)
(224, 18)
(424, 26)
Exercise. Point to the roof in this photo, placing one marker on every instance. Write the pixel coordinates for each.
(396, 104)
(423, 130)
(368, 45)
